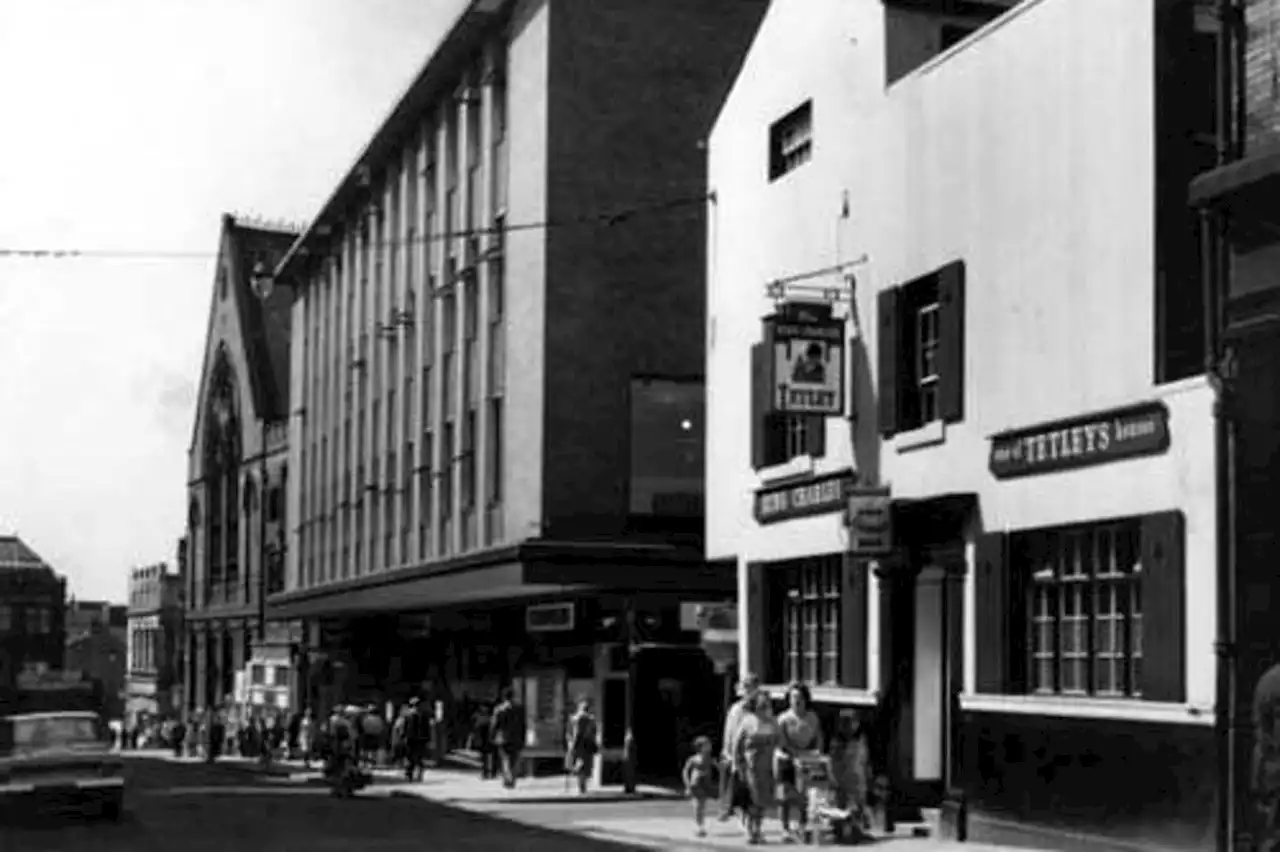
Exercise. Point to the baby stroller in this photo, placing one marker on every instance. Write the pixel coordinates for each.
(828, 817)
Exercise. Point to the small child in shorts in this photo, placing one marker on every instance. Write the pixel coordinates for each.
(700, 781)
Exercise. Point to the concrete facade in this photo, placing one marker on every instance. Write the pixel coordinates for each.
(1013, 152)
(502, 295)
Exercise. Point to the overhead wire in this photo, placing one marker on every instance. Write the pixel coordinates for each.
(607, 218)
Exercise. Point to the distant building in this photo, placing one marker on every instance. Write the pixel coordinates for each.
(100, 654)
(237, 468)
(86, 616)
(32, 611)
(97, 646)
(154, 640)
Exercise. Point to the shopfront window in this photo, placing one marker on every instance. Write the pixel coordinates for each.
(811, 613)
(1085, 603)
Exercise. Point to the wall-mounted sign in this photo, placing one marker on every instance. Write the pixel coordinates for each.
(545, 618)
(812, 496)
(870, 521)
(1107, 436)
(808, 363)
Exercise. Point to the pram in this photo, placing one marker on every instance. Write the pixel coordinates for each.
(827, 820)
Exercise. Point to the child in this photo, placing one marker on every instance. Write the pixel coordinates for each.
(699, 780)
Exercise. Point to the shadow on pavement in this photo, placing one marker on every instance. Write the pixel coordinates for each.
(196, 807)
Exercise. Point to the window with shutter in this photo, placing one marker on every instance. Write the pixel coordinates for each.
(951, 342)
(921, 351)
(1162, 631)
(777, 438)
(757, 618)
(1093, 609)
(991, 600)
(888, 356)
(853, 628)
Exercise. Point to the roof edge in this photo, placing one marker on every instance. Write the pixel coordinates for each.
(474, 11)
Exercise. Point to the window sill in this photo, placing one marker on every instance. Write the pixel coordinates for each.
(777, 474)
(839, 695)
(930, 434)
(1121, 709)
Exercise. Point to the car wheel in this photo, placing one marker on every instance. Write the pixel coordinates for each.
(112, 809)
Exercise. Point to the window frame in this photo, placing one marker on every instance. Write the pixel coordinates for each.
(1064, 629)
(812, 615)
(791, 141)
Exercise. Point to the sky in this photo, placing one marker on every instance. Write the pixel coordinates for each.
(131, 126)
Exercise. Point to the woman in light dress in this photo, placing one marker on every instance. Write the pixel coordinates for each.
(755, 743)
(800, 735)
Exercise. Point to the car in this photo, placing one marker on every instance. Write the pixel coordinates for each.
(59, 760)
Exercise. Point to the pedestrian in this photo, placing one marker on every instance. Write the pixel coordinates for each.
(508, 727)
(1266, 758)
(748, 686)
(757, 740)
(800, 735)
(851, 766)
(179, 736)
(699, 777)
(306, 737)
(416, 731)
(583, 744)
(481, 739)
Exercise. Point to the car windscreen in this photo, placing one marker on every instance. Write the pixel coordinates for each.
(23, 735)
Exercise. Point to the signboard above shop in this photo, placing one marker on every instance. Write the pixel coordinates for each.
(811, 496)
(808, 360)
(1108, 436)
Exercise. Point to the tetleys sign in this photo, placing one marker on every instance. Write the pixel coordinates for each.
(1108, 436)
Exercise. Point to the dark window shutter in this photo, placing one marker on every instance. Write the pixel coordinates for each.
(951, 342)
(887, 348)
(761, 392)
(816, 436)
(853, 624)
(1163, 604)
(755, 620)
(991, 614)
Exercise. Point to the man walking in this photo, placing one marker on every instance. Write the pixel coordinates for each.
(415, 740)
(508, 735)
(748, 688)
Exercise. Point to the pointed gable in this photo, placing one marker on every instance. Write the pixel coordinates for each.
(264, 322)
(16, 555)
(259, 330)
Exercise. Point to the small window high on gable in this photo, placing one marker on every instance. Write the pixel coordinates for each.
(791, 141)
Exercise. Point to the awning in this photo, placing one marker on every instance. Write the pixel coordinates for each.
(525, 573)
(1242, 183)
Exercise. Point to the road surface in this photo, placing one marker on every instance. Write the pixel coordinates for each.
(174, 807)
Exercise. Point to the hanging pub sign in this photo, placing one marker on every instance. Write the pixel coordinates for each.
(808, 360)
(1137, 430)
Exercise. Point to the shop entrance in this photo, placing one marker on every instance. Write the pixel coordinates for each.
(678, 696)
(921, 618)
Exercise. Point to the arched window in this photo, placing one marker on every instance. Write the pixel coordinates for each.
(222, 479)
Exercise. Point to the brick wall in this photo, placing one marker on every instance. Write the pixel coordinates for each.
(634, 89)
(1262, 73)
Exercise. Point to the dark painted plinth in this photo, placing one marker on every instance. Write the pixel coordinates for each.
(1036, 780)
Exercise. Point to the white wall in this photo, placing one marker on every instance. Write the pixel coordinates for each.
(760, 231)
(526, 267)
(1027, 151)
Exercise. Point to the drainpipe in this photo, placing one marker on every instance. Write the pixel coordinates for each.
(1216, 269)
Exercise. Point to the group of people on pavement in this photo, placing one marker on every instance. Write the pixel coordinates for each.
(759, 767)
